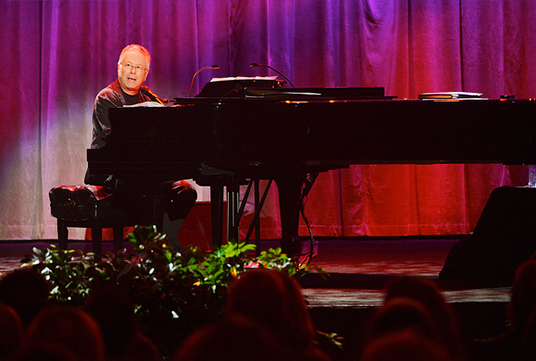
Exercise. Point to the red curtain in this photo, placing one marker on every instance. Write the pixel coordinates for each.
(396, 200)
(60, 53)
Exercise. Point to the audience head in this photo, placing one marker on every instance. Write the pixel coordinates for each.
(26, 290)
(11, 332)
(113, 310)
(45, 352)
(405, 345)
(300, 326)
(70, 328)
(274, 300)
(429, 295)
(260, 294)
(399, 314)
(235, 337)
(523, 294)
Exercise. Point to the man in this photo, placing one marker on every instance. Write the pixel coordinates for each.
(130, 194)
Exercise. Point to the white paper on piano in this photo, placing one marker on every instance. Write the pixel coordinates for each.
(271, 93)
(449, 95)
(145, 105)
(241, 78)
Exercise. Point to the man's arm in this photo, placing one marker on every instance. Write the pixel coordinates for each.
(101, 122)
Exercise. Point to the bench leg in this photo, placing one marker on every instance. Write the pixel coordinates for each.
(96, 236)
(63, 234)
(118, 238)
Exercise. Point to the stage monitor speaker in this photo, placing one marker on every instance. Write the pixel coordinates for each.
(504, 237)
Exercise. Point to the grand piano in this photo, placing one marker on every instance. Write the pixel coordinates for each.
(284, 134)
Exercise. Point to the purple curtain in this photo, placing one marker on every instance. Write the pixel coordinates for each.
(60, 53)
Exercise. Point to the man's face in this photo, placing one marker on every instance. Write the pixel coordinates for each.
(132, 72)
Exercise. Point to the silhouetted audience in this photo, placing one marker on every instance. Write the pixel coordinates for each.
(528, 339)
(301, 329)
(42, 351)
(523, 295)
(518, 342)
(414, 306)
(25, 290)
(11, 332)
(113, 310)
(69, 328)
(398, 314)
(266, 318)
(272, 299)
(405, 345)
(235, 337)
(429, 295)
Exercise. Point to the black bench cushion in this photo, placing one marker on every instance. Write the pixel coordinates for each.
(82, 202)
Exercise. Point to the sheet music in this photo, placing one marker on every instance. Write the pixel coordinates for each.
(150, 104)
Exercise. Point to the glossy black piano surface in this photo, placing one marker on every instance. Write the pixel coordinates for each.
(256, 135)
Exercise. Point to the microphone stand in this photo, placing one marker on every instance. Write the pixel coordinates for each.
(197, 72)
(153, 96)
(255, 65)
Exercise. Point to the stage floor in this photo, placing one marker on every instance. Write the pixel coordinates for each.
(358, 268)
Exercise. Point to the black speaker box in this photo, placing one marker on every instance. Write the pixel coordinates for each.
(504, 237)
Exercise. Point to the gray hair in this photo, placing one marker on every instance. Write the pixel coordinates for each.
(136, 47)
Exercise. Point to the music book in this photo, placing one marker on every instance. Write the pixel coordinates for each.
(450, 95)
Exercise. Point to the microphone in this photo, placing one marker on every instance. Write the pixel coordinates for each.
(255, 65)
(199, 71)
(153, 96)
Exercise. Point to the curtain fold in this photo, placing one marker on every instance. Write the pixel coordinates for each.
(20, 195)
(60, 53)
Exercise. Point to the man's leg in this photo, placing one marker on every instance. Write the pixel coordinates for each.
(171, 229)
(179, 198)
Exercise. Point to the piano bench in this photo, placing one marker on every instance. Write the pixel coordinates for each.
(87, 206)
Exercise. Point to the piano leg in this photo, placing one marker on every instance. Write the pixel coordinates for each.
(289, 207)
(233, 215)
(289, 186)
(216, 209)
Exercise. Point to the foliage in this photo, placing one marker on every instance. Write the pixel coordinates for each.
(173, 292)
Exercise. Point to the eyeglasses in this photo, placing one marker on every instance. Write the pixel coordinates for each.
(130, 66)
